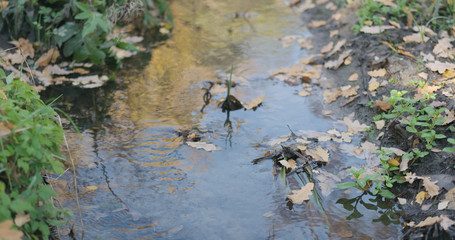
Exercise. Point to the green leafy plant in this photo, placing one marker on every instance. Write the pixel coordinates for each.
(30, 139)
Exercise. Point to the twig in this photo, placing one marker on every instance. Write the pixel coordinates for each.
(74, 178)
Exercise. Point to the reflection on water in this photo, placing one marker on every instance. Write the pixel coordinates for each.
(138, 179)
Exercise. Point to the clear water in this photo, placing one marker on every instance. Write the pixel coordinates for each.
(138, 180)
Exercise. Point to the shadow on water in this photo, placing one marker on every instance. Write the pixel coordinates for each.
(139, 179)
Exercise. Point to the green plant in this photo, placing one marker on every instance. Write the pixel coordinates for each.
(29, 141)
(59, 23)
(365, 181)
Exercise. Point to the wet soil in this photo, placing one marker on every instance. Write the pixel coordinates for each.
(370, 53)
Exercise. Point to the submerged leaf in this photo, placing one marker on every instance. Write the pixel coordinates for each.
(202, 145)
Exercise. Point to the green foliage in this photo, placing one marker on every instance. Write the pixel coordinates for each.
(29, 142)
(59, 23)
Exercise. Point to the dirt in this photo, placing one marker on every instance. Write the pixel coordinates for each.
(370, 54)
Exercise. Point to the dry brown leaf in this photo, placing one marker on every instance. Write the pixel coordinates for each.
(429, 89)
(348, 91)
(373, 85)
(421, 196)
(3, 5)
(289, 164)
(446, 222)
(7, 233)
(305, 43)
(21, 219)
(429, 221)
(56, 70)
(383, 105)
(416, 37)
(404, 166)
(368, 147)
(308, 4)
(81, 71)
(379, 124)
(203, 145)
(254, 103)
(304, 93)
(440, 67)
(354, 126)
(431, 187)
(424, 29)
(347, 61)
(395, 24)
(91, 81)
(334, 32)
(5, 128)
(375, 29)
(335, 64)
(423, 75)
(354, 77)
(298, 196)
(327, 48)
(450, 116)
(389, 3)
(377, 73)
(399, 51)
(331, 96)
(48, 57)
(25, 46)
(319, 154)
(337, 47)
(317, 23)
(442, 48)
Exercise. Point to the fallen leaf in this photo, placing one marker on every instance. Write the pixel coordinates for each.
(337, 47)
(424, 29)
(440, 67)
(423, 75)
(48, 57)
(7, 233)
(410, 177)
(348, 91)
(354, 126)
(305, 43)
(308, 4)
(395, 24)
(268, 214)
(402, 201)
(377, 73)
(347, 61)
(379, 124)
(450, 116)
(253, 104)
(443, 205)
(56, 70)
(429, 221)
(327, 181)
(25, 46)
(334, 32)
(298, 196)
(319, 154)
(289, 164)
(81, 71)
(421, 196)
(375, 29)
(399, 51)
(331, 96)
(327, 48)
(317, 23)
(396, 151)
(373, 85)
(387, 2)
(335, 64)
(431, 187)
(446, 222)
(345, 234)
(4, 129)
(368, 147)
(442, 47)
(394, 161)
(21, 219)
(416, 37)
(3, 5)
(429, 89)
(383, 105)
(202, 145)
(91, 188)
(304, 93)
(404, 167)
(354, 77)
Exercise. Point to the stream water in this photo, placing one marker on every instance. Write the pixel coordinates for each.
(137, 179)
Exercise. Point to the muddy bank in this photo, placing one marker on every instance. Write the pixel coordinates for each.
(405, 67)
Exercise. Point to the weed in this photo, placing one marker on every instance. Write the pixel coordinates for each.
(29, 142)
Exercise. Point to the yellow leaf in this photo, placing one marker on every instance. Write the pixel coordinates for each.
(373, 85)
(394, 161)
(327, 48)
(304, 93)
(303, 194)
(421, 196)
(331, 96)
(354, 77)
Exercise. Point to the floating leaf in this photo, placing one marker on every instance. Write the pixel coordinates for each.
(354, 126)
(304, 93)
(253, 104)
(202, 145)
(319, 154)
(289, 164)
(298, 196)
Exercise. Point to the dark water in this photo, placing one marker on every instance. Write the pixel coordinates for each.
(138, 180)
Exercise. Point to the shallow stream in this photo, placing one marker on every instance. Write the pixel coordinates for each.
(137, 178)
